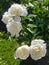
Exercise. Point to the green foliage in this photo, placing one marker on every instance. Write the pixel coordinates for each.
(7, 50)
(36, 24)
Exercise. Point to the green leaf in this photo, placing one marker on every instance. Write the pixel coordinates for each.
(32, 26)
(30, 30)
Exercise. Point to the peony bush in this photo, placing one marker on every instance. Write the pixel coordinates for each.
(20, 22)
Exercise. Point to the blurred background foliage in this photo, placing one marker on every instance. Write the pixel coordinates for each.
(35, 26)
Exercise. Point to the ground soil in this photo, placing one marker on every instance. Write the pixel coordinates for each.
(29, 61)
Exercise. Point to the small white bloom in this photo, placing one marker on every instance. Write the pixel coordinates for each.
(31, 5)
(22, 52)
(17, 10)
(14, 27)
(6, 17)
(10, 38)
(38, 50)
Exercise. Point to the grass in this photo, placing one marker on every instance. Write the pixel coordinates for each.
(7, 49)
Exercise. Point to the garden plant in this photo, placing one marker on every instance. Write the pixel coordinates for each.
(24, 33)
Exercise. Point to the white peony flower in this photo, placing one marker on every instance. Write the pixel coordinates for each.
(22, 52)
(6, 17)
(18, 10)
(37, 41)
(14, 27)
(37, 51)
(15, 9)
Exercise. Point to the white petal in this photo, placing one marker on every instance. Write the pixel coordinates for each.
(17, 19)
